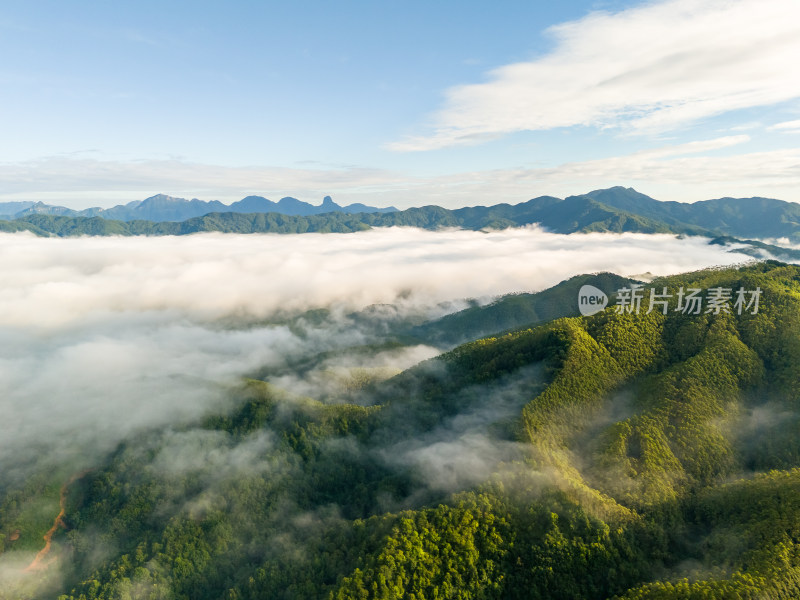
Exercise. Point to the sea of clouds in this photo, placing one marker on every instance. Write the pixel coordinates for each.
(105, 337)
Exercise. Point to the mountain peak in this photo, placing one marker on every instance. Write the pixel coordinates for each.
(617, 191)
(164, 198)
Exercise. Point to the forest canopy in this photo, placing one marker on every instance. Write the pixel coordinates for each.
(619, 455)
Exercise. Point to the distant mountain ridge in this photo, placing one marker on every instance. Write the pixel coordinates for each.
(161, 208)
(751, 217)
(615, 210)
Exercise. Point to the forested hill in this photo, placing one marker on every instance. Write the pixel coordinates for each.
(613, 210)
(629, 455)
(513, 311)
(740, 217)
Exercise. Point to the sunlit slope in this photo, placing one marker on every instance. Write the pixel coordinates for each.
(650, 428)
(625, 455)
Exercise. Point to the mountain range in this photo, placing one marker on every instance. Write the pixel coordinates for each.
(167, 208)
(621, 456)
(616, 209)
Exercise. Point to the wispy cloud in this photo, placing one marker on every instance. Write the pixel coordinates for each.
(786, 126)
(652, 68)
(68, 175)
(695, 147)
(695, 170)
(667, 173)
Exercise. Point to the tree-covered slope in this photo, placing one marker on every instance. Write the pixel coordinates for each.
(739, 217)
(623, 455)
(513, 311)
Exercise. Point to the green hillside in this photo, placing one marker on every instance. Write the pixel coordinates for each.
(624, 455)
(513, 311)
(738, 217)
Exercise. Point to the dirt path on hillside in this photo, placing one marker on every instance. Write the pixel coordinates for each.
(38, 561)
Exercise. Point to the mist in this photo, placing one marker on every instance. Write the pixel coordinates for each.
(116, 350)
(458, 452)
(60, 283)
(107, 337)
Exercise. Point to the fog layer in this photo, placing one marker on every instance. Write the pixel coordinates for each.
(102, 337)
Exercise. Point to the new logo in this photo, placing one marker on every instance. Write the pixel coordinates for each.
(591, 300)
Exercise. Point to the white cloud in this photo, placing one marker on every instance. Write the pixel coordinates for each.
(104, 337)
(673, 165)
(685, 172)
(58, 284)
(651, 68)
(689, 171)
(63, 175)
(696, 147)
(786, 126)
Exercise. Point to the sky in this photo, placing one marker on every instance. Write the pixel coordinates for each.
(398, 103)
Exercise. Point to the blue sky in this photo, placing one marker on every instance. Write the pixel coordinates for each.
(403, 103)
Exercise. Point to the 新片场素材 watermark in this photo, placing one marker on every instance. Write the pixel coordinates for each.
(689, 301)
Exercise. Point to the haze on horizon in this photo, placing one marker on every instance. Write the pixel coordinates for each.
(400, 104)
